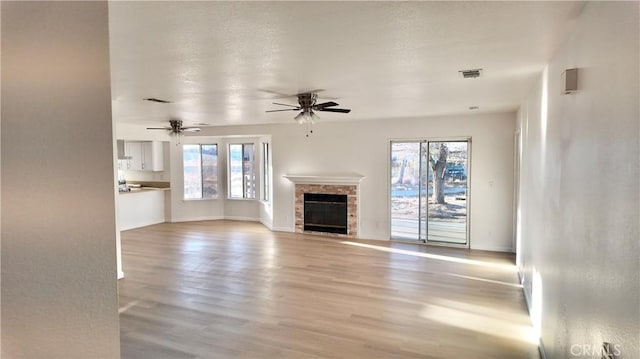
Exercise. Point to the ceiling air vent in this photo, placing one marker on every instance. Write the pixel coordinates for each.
(470, 74)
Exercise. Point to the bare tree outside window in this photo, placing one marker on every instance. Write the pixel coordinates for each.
(438, 163)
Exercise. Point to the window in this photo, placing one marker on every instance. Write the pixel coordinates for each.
(200, 171)
(265, 171)
(242, 181)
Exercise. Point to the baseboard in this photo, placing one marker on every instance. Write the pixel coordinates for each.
(234, 218)
(283, 229)
(217, 218)
(527, 300)
(543, 352)
(526, 294)
(194, 219)
(244, 219)
(143, 224)
(504, 249)
(266, 224)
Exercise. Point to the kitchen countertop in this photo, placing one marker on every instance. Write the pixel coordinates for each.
(145, 189)
(146, 186)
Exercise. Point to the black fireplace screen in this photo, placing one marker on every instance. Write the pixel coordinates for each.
(325, 213)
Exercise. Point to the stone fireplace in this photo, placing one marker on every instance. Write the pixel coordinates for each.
(335, 186)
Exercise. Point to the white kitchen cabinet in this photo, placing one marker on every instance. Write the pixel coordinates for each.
(133, 150)
(142, 208)
(144, 155)
(153, 155)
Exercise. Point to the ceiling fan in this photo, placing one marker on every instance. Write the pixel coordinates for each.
(307, 105)
(176, 127)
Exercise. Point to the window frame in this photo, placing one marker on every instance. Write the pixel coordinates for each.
(255, 178)
(217, 188)
(266, 179)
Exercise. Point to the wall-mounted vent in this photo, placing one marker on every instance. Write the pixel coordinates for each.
(471, 74)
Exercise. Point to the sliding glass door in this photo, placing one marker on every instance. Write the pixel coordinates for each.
(429, 191)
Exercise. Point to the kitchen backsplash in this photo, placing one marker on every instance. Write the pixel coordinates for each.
(132, 176)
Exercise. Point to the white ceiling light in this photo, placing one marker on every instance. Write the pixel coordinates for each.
(307, 116)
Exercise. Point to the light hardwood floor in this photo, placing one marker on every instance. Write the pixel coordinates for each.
(223, 289)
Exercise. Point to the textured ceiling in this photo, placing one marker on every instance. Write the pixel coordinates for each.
(223, 63)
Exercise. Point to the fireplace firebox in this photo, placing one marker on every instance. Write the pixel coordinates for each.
(325, 213)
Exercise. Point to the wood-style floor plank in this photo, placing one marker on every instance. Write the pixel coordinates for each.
(224, 289)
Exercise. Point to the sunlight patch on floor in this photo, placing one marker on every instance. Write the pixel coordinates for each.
(480, 322)
(506, 267)
(128, 306)
(515, 285)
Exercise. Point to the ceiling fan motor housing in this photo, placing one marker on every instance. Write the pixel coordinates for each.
(176, 125)
(307, 100)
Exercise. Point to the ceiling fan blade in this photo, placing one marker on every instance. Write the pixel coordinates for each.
(341, 110)
(284, 104)
(289, 109)
(191, 129)
(158, 128)
(274, 94)
(326, 104)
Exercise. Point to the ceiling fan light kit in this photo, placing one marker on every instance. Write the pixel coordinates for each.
(307, 105)
(306, 117)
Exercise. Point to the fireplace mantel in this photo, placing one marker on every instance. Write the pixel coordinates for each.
(350, 179)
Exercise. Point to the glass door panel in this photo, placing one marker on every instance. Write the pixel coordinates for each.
(445, 217)
(405, 190)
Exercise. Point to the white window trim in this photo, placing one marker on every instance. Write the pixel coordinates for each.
(266, 181)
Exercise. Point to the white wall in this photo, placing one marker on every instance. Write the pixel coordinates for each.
(363, 148)
(133, 132)
(580, 191)
(59, 291)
